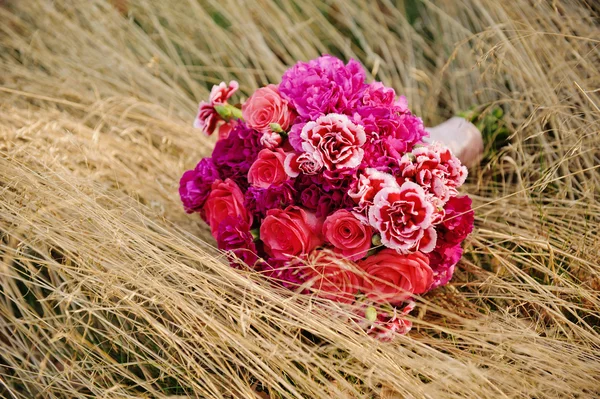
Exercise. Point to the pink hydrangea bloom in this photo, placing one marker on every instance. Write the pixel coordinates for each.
(334, 141)
(403, 217)
(208, 118)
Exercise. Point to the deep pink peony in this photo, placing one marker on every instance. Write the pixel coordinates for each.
(225, 199)
(334, 141)
(347, 234)
(233, 234)
(290, 232)
(332, 277)
(322, 86)
(208, 118)
(403, 217)
(265, 107)
(268, 169)
(393, 278)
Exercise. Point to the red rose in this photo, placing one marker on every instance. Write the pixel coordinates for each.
(391, 277)
(225, 199)
(332, 277)
(347, 234)
(290, 232)
(265, 107)
(268, 169)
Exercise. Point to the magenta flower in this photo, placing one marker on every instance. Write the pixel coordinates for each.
(233, 234)
(234, 155)
(195, 185)
(322, 86)
(390, 133)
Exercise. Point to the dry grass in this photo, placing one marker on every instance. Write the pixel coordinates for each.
(108, 289)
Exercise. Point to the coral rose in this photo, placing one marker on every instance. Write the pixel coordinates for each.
(332, 277)
(403, 217)
(290, 232)
(393, 278)
(265, 107)
(225, 199)
(268, 169)
(347, 234)
(335, 141)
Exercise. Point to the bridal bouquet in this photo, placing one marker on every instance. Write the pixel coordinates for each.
(324, 183)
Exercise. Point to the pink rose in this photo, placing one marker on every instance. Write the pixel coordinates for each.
(392, 278)
(403, 217)
(225, 199)
(347, 234)
(208, 118)
(332, 277)
(363, 191)
(290, 232)
(267, 169)
(265, 107)
(334, 141)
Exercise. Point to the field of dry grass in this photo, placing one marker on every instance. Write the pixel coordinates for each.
(108, 289)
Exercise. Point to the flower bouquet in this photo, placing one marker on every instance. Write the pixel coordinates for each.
(325, 184)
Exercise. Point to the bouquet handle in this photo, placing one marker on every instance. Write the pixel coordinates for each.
(462, 137)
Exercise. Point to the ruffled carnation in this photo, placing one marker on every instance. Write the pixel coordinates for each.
(334, 141)
(377, 94)
(260, 200)
(195, 185)
(322, 86)
(390, 133)
(208, 118)
(442, 260)
(234, 155)
(456, 226)
(435, 169)
(233, 234)
(458, 222)
(403, 217)
(364, 189)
